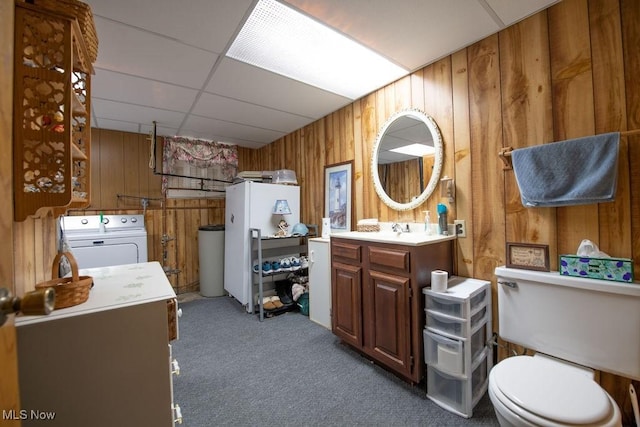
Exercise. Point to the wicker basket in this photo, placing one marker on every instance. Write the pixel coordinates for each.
(69, 291)
(82, 12)
(368, 227)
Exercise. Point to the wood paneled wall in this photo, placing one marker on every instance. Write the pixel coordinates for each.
(563, 73)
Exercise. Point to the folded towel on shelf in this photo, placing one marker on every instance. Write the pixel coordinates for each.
(368, 221)
(577, 171)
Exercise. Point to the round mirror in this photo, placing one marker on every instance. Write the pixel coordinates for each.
(407, 159)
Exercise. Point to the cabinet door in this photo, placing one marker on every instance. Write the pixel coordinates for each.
(387, 320)
(346, 303)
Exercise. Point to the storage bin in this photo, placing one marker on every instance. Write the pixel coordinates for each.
(478, 341)
(454, 306)
(453, 393)
(454, 326)
(447, 354)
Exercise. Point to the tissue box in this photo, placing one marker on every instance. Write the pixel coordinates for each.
(615, 269)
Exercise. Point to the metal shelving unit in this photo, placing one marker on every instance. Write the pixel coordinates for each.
(268, 247)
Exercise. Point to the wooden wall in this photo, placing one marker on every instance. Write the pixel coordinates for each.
(567, 72)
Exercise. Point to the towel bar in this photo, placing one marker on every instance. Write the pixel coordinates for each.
(505, 152)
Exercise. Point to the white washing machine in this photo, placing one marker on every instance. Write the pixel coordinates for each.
(122, 240)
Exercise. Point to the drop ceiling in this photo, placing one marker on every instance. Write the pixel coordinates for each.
(164, 60)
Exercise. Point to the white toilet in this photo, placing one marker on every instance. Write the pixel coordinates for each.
(575, 325)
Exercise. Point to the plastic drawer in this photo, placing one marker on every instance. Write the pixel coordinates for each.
(454, 393)
(448, 354)
(478, 342)
(454, 326)
(455, 306)
(445, 353)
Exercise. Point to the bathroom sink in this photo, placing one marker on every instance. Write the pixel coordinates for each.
(417, 238)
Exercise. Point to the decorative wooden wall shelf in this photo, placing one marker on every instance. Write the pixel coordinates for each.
(52, 128)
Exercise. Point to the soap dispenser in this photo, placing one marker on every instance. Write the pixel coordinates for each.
(427, 223)
(443, 227)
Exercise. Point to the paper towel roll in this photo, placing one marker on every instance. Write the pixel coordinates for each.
(326, 228)
(439, 280)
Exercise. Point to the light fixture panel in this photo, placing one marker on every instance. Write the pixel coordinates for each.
(416, 150)
(284, 41)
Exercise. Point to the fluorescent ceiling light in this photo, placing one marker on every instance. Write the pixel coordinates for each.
(284, 41)
(416, 150)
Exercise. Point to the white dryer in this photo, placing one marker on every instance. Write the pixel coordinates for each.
(122, 240)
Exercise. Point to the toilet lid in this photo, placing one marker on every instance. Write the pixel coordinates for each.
(551, 391)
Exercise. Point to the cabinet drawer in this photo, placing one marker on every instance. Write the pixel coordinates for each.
(445, 353)
(386, 257)
(454, 326)
(453, 392)
(455, 306)
(346, 251)
(448, 354)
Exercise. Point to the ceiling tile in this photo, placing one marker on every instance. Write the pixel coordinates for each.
(160, 130)
(131, 51)
(245, 82)
(118, 125)
(222, 131)
(231, 110)
(511, 11)
(135, 114)
(202, 23)
(108, 85)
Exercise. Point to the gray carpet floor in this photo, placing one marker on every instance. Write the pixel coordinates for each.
(287, 371)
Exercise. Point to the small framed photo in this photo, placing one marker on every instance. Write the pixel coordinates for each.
(338, 192)
(528, 256)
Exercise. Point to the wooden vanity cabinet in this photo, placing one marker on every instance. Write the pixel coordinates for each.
(377, 304)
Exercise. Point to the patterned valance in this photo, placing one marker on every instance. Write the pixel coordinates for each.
(200, 154)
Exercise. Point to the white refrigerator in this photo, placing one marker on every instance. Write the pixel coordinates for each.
(250, 205)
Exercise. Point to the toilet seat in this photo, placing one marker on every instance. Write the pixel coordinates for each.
(550, 393)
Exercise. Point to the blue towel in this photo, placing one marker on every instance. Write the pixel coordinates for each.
(573, 172)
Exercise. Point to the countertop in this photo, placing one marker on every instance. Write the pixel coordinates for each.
(115, 287)
(417, 238)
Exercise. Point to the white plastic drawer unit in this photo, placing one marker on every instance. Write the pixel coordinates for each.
(453, 392)
(452, 305)
(448, 354)
(454, 326)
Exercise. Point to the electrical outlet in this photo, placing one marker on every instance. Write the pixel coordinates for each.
(461, 228)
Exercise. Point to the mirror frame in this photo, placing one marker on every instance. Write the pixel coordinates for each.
(437, 167)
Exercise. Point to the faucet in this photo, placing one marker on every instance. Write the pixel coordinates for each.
(397, 228)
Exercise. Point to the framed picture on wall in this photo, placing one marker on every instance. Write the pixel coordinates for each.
(528, 256)
(338, 192)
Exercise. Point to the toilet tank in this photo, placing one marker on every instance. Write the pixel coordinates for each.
(595, 323)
